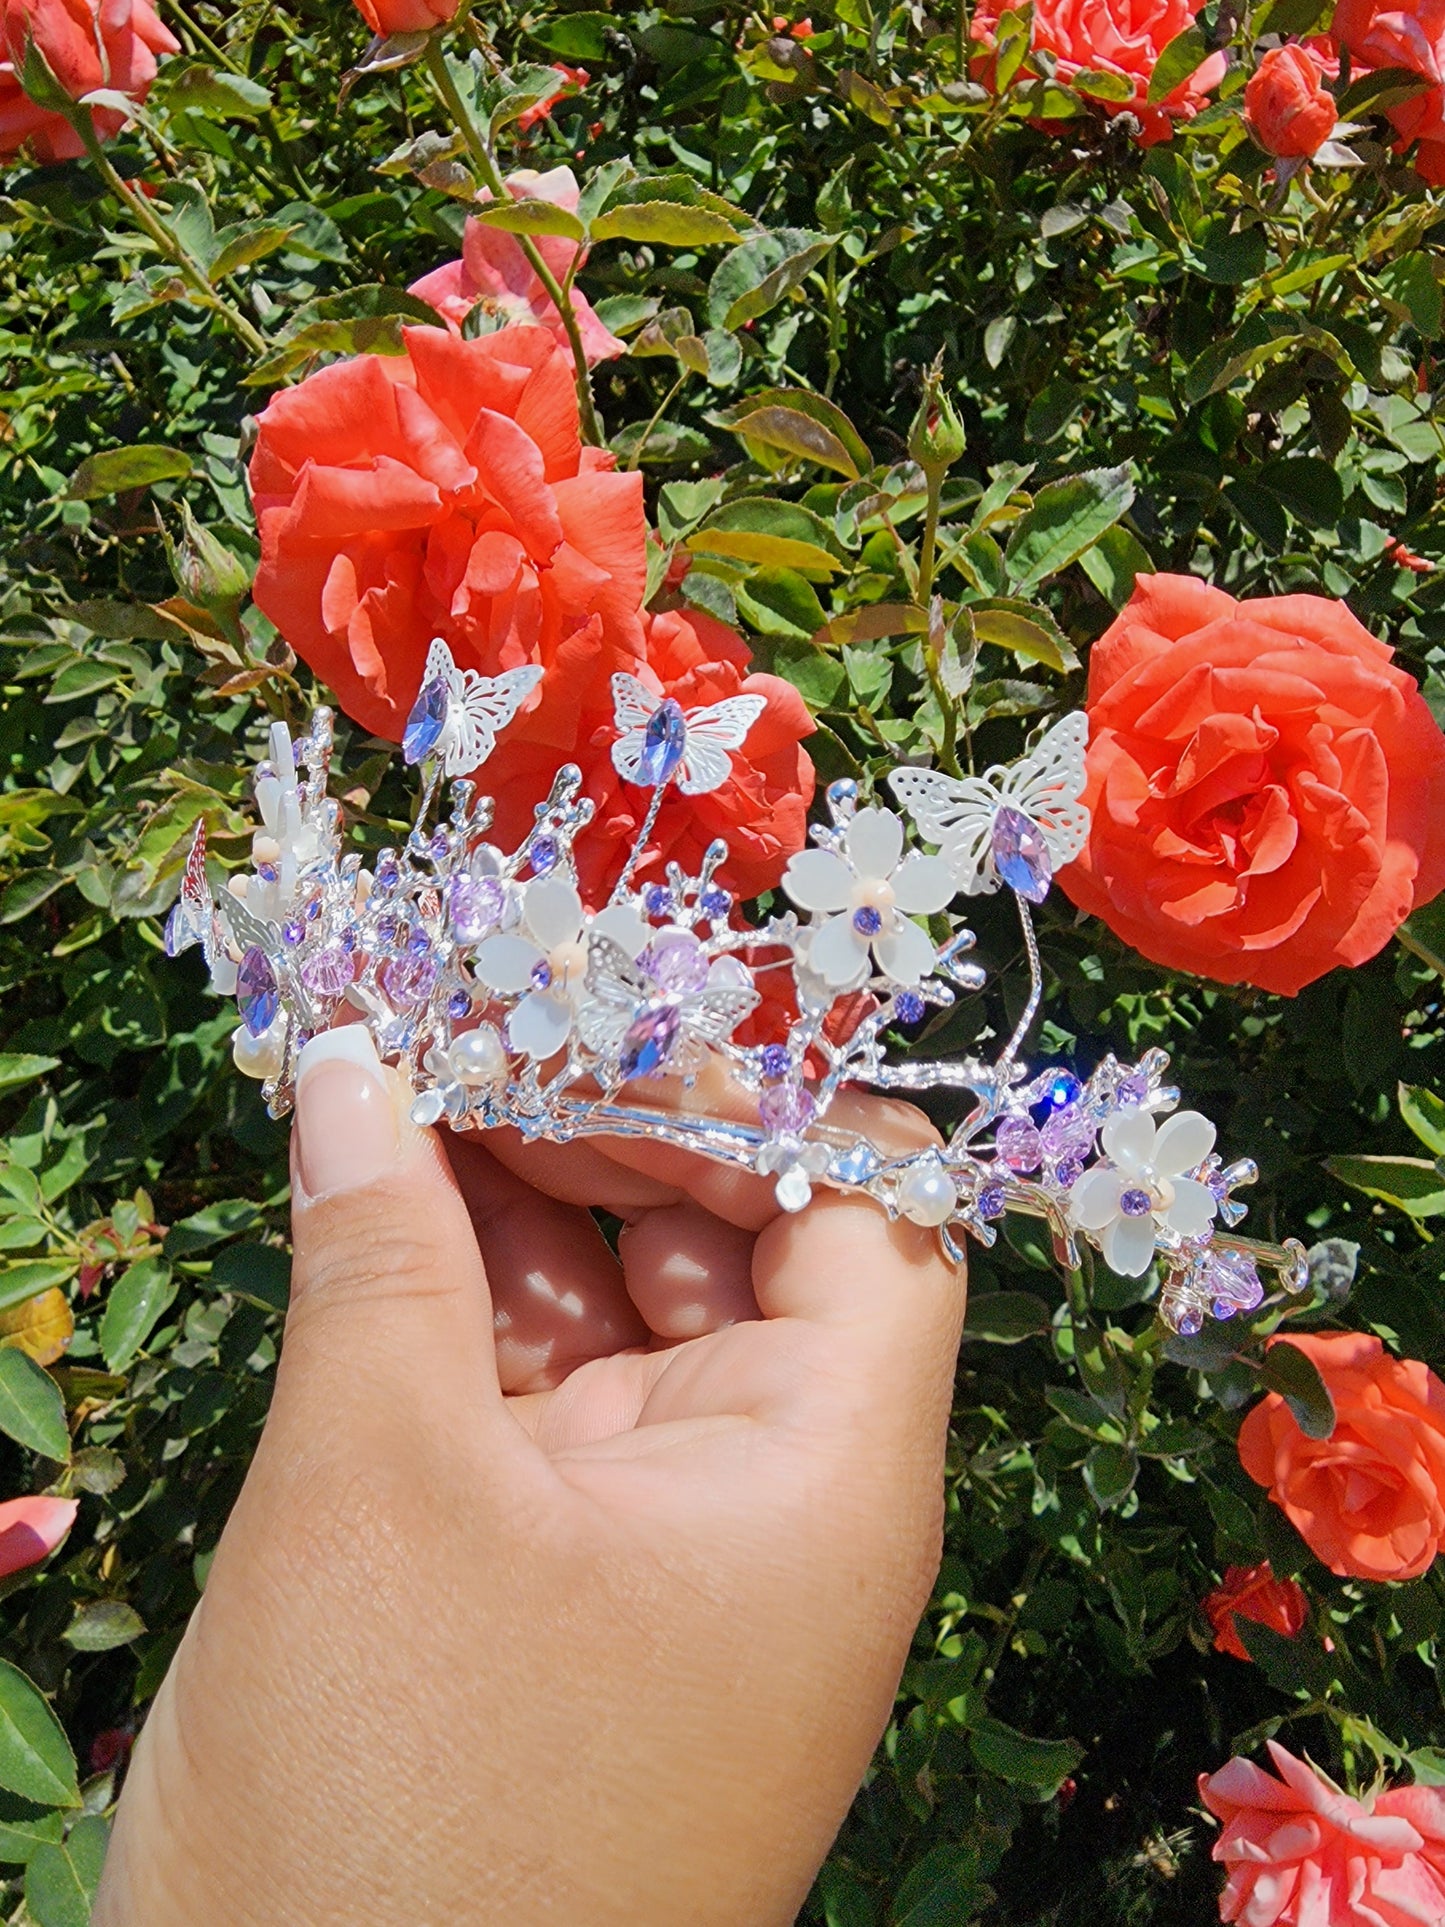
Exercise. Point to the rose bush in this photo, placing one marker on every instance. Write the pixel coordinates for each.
(87, 45)
(1267, 788)
(1253, 1593)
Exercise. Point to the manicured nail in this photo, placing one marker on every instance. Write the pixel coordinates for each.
(346, 1127)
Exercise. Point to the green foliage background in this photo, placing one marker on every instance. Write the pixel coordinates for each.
(1248, 383)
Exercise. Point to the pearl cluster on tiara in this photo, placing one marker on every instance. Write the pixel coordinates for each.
(506, 1001)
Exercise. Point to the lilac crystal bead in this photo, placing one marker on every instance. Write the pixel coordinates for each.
(786, 1110)
(1133, 1091)
(177, 937)
(1018, 1143)
(474, 906)
(439, 846)
(776, 1062)
(1188, 1321)
(328, 971)
(385, 929)
(664, 744)
(542, 975)
(649, 1040)
(677, 961)
(407, 980)
(257, 996)
(426, 722)
(1231, 1279)
(1020, 854)
(1067, 1136)
(418, 942)
(386, 871)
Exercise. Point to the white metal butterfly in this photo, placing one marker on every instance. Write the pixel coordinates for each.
(660, 739)
(958, 813)
(638, 1027)
(458, 713)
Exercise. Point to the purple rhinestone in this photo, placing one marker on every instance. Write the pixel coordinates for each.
(1063, 1088)
(867, 921)
(1189, 1322)
(386, 870)
(440, 844)
(459, 1003)
(657, 900)
(649, 1040)
(1232, 1276)
(386, 929)
(715, 904)
(786, 1110)
(1068, 1134)
(1068, 1172)
(1020, 854)
(328, 971)
(474, 906)
(543, 856)
(677, 961)
(302, 1039)
(909, 1007)
(292, 931)
(407, 981)
(313, 910)
(1222, 1309)
(1135, 1204)
(1018, 1143)
(348, 938)
(992, 1201)
(426, 722)
(1133, 1091)
(776, 1062)
(542, 975)
(257, 996)
(418, 942)
(266, 872)
(664, 744)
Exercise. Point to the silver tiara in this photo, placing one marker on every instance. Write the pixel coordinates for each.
(504, 1000)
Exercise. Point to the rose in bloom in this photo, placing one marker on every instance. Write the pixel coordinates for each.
(571, 78)
(405, 16)
(88, 44)
(1370, 1499)
(1253, 1593)
(1301, 1853)
(761, 809)
(444, 492)
(31, 1529)
(1123, 37)
(493, 270)
(1267, 789)
(1379, 34)
(1403, 558)
(1289, 109)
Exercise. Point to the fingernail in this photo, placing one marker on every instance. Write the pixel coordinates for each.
(346, 1129)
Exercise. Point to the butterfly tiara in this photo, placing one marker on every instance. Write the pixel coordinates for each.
(504, 1000)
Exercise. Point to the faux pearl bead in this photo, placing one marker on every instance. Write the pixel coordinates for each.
(927, 1194)
(261, 1056)
(793, 1189)
(478, 1057)
(568, 964)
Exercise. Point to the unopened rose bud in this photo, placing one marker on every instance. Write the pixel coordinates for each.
(206, 571)
(936, 439)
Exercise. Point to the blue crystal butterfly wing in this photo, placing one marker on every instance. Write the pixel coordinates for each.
(1046, 786)
(633, 707)
(711, 734)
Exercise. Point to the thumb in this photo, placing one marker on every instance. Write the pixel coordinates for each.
(390, 1310)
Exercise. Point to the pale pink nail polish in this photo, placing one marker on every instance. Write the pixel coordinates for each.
(346, 1126)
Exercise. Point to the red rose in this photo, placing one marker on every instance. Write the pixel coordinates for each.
(405, 16)
(1123, 37)
(88, 44)
(444, 492)
(1370, 1499)
(571, 78)
(494, 271)
(1267, 788)
(1290, 111)
(761, 810)
(1253, 1593)
(1383, 35)
(31, 1529)
(1301, 1853)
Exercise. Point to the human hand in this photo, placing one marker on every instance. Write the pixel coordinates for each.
(560, 1589)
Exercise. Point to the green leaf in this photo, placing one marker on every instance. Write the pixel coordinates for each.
(35, 1757)
(1377, 89)
(756, 276)
(1109, 1473)
(28, 1279)
(1025, 628)
(215, 92)
(211, 1226)
(32, 1411)
(137, 1301)
(796, 434)
(771, 533)
(1184, 55)
(1066, 518)
(530, 216)
(100, 1624)
(1424, 1112)
(118, 469)
(855, 457)
(1114, 565)
(1006, 1317)
(60, 1881)
(1412, 1184)
(1309, 488)
(1296, 1378)
(1010, 1755)
(575, 36)
(1410, 280)
(244, 242)
(22, 1067)
(259, 1273)
(24, 1826)
(665, 222)
(778, 601)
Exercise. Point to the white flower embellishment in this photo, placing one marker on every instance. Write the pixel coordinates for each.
(868, 897)
(546, 962)
(1145, 1190)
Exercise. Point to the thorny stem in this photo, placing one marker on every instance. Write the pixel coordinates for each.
(149, 222)
(480, 152)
